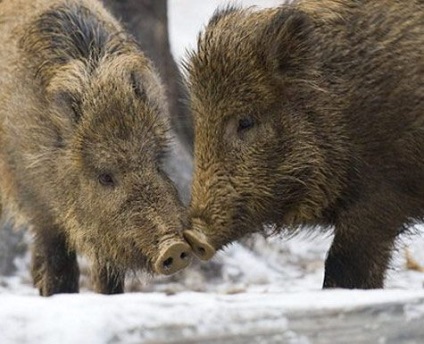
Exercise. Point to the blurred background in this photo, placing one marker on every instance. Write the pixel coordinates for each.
(165, 30)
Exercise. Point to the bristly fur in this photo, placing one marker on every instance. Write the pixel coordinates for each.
(84, 127)
(72, 28)
(311, 115)
(222, 12)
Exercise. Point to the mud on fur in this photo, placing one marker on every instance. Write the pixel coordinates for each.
(84, 127)
(311, 114)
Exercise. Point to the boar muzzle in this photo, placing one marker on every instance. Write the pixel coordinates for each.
(174, 255)
(199, 244)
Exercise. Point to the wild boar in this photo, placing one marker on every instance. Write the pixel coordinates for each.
(84, 129)
(311, 115)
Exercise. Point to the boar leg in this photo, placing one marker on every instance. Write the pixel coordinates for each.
(107, 280)
(359, 256)
(54, 266)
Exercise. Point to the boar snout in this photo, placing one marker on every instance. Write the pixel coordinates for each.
(173, 257)
(200, 245)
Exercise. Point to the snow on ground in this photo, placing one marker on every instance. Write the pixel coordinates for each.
(189, 317)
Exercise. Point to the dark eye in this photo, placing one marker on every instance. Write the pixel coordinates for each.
(106, 179)
(245, 124)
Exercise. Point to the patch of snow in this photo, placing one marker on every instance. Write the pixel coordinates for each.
(414, 311)
(132, 318)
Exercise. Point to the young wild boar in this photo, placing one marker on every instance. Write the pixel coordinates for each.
(83, 129)
(311, 114)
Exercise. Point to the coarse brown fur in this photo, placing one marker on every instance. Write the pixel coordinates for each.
(84, 127)
(312, 114)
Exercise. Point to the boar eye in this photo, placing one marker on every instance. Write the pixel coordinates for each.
(245, 123)
(106, 179)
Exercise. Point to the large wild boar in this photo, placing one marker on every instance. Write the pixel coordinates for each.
(311, 114)
(84, 128)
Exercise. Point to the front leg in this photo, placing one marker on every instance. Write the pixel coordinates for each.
(107, 279)
(362, 248)
(357, 263)
(54, 266)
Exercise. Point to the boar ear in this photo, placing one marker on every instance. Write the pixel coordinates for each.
(68, 103)
(222, 12)
(64, 90)
(289, 36)
(137, 86)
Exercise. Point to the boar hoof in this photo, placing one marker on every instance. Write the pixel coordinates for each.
(199, 244)
(173, 258)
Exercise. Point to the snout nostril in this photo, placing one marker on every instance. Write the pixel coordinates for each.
(174, 255)
(200, 244)
(167, 263)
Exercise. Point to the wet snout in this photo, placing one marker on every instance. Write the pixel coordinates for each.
(200, 245)
(174, 255)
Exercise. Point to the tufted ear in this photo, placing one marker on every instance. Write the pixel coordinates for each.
(137, 86)
(65, 98)
(222, 12)
(288, 40)
(64, 90)
(68, 103)
(65, 112)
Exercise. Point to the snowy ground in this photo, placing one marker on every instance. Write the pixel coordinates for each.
(337, 316)
(263, 272)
